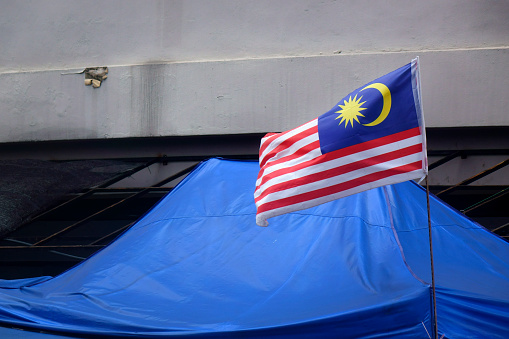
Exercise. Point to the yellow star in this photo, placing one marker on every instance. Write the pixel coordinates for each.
(350, 111)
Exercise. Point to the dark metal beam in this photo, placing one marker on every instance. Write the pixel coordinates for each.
(50, 246)
(444, 160)
(132, 189)
(500, 227)
(17, 254)
(475, 177)
(469, 152)
(94, 189)
(487, 200)
(179, 158)
(66, 229)
(112, 233)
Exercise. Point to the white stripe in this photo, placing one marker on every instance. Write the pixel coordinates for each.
(323, 166)
(268, 168)
(262, 217)
(276, 142)
(312, 186)
(293, 148)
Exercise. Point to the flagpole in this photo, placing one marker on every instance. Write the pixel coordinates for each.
(435, 323)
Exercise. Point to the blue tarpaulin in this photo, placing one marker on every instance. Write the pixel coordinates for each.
(197, 265)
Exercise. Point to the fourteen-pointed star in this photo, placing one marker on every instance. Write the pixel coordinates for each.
(350, 110)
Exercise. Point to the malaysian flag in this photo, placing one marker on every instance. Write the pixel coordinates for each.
(371, 138)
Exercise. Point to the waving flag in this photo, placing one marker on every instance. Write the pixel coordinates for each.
(371, 138)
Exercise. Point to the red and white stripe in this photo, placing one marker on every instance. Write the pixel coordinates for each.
(295, 175)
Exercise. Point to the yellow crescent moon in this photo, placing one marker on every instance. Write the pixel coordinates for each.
(386, 94)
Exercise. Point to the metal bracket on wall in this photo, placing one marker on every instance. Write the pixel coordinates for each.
(93, 75)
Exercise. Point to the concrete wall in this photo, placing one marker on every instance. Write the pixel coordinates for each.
(228, 67)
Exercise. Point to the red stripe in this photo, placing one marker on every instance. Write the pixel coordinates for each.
(322, 192)
(338, 153)
(272, 136)
(333, 172)
(268, 139)
(376, 142)
(287, 144)
(298, 153)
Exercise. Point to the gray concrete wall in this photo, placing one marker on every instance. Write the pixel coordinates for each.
(227, 67)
